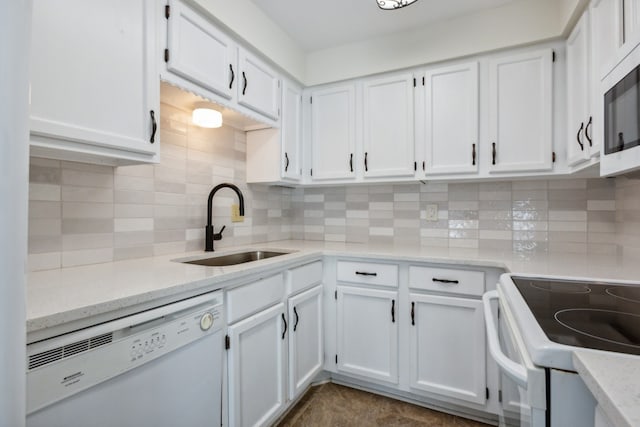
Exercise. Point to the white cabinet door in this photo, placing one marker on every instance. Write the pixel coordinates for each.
(258, 85)
(520, 112)
(199, 52)
(579, 118)
(93, 76)
(368, 333)
(448, 347)
(257, 369)
(606, 35)
(631, 24)
(451, 119)
(389, 143)
(291, 132)
(305, 340)
(333, 133)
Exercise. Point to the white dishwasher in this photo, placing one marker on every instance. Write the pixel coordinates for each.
(161, 367)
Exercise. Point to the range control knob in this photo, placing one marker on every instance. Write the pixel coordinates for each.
(206, 321)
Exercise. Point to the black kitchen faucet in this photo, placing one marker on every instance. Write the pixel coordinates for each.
(210, 236)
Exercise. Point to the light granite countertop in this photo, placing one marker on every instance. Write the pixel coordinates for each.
(614, 380)
(55, 297)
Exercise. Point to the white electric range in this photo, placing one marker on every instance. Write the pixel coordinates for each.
(541, 321)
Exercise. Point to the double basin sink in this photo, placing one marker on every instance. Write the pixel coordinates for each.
(234, 259)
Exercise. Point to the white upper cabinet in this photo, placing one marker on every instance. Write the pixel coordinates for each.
(94, 81)
(606, 35)
(451, 119)
(389, 143)
(333, 133)
(631, 21)
(520, 113)
(275, 155)
(291, 128)
(199, 52)
(580, 120)
(258, 85)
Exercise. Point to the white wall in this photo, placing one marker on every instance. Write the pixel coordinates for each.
(15, 25)
(513, 24)
(250, 23)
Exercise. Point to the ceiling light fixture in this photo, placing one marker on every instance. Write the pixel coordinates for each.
(394, 4)
(206, 117)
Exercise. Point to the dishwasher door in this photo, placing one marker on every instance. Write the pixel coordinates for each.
(181, 386)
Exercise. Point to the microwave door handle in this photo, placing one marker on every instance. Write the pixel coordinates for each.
(513, 370)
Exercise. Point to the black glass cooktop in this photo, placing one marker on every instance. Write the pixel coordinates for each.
(585, 314)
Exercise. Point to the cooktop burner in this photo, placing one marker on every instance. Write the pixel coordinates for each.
(602, 316)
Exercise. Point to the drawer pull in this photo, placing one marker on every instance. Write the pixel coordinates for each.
(364, 273)
(454, 282)
(393, 311)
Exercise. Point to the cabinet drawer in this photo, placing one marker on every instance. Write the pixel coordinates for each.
(304, 277)
(368, 273)
(447, 280)
(253, 297)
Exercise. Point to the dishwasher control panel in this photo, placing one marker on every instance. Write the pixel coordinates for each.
(62, 366)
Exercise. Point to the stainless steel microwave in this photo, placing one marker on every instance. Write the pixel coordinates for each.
(621, 139)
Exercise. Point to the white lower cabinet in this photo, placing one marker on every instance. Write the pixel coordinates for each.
(305, 339)
(257, 368)
(447, 347)
(367, 333)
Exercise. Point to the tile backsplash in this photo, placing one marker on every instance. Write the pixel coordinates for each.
(84, 214)
(576, 215)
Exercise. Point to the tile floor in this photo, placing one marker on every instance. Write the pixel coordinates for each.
(337, 406)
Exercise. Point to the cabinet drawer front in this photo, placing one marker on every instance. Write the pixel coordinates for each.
(447, 280)
(368, 273)
(253, 297)
(304, 277)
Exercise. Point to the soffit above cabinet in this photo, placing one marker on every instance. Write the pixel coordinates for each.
(186, 101)
(356, 20)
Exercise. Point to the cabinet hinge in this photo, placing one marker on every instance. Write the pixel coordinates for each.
(498, 312)
(227, 342)
(166, 55)
(167, 11)
(415, 166)
(487, 392)
(553, 56)
(500, 396)
(335, 294)
(414, 82)
(311, 99)
(336, 359)
(553, 157)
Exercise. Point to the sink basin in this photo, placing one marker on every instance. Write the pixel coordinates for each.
(233, 259)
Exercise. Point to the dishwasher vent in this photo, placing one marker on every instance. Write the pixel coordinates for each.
(55, 354)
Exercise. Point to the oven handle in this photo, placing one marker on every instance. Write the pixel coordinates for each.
(513, 370)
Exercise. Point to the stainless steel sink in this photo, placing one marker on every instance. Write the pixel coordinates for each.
(233, 259)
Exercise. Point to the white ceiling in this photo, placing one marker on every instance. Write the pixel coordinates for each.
(319, 24)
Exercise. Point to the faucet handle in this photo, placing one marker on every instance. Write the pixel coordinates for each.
(218, 236)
